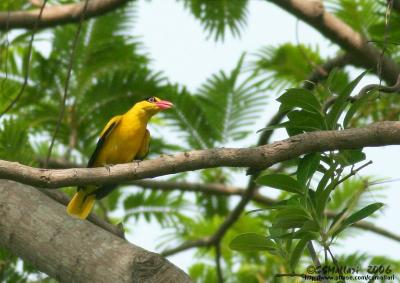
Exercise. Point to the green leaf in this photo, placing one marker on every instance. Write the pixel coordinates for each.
(218, 16)
(328, 175)
(362, 213)
(357, 216)
(354, 107)
(350, 157)
(276, 64)
(133, 201)
(322, 198)
(290, 221)
(250, 242)
(307, 167)
(304, 121)
(301, 98)
(280, 182)
(298, 251)
(332, 76)
(231, 102)
(291, 217)
(14, 141)
(341, 102)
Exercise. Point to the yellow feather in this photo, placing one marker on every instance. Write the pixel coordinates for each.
(81, 204)
(122, 140)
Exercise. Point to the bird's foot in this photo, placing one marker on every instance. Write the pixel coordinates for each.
(136, 162)
(108, 167)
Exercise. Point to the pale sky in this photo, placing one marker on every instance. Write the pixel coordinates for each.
(178, 46)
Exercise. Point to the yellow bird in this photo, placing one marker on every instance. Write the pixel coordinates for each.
(125, 138)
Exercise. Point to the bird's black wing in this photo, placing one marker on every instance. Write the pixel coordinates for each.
(103, 137)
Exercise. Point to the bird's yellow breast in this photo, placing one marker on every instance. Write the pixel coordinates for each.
(123, 144)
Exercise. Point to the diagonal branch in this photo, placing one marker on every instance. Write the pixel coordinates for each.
(58, 15)
(71, 250)
(364, 54)
(62, 198)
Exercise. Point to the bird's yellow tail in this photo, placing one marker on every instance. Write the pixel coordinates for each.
(81, 204)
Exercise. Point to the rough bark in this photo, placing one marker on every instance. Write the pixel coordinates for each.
(363, 53)
(37, 229)
(57, 15)
(376, 134)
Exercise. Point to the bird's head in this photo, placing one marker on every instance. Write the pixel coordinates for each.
(153, 105)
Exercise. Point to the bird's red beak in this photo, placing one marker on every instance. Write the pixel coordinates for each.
(164, 104)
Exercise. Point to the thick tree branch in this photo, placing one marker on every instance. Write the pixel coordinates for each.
(64, 200)
(376, 134)
(37, 229)
(364, 54)
(58, 15)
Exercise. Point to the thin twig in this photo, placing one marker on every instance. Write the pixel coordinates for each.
(203, 242)
(27, 63)
(220, 276)
(7, 45)
(352, 173)
(385, 38)
(348, 208)
(364, 91)
(65, 96)
(315, 259)
(336, 263)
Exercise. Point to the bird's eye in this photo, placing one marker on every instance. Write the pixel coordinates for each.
(151, 99)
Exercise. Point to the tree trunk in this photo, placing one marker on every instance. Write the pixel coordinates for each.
(37, 229)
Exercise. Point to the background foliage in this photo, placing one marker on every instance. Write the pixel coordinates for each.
(112, 71)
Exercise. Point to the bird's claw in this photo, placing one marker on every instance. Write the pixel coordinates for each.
(108, 167)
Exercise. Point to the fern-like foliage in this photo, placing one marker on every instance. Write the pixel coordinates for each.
(14, 142)
(189, 119)
(233, 102)
(218, 16)
(285, 65)
(109, 75)
(167, 208)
